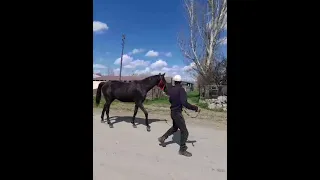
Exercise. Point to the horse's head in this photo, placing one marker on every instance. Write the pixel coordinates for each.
(161, 81)
(155, 80)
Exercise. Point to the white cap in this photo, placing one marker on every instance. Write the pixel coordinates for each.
(177, 78)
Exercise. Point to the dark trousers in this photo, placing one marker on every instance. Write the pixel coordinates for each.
(178, 123)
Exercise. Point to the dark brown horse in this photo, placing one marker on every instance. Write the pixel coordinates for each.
(135, 91)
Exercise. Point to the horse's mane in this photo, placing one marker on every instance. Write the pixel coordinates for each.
(150, 76)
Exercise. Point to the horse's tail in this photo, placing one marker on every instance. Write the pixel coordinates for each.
(98, 95)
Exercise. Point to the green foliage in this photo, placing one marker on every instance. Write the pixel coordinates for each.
(203, 105)
(193, 96)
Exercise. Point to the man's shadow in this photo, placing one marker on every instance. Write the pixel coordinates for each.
(128, 119)
(176, 139)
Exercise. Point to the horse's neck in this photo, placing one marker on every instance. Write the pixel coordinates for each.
(149, 85)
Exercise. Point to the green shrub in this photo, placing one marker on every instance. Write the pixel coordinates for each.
(203, 105)
(218, 110)
(193, 94)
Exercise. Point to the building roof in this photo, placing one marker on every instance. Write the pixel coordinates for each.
(95, 76)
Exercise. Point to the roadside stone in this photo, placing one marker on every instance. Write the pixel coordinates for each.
(212, 106)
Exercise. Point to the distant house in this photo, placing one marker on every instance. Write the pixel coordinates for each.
(96, 75)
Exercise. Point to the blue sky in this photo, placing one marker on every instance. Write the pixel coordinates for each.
(151, 29)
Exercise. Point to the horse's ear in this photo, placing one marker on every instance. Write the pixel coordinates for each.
(163, 74)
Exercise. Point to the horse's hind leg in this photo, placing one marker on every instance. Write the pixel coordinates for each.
(146, 115)
(102, 114)
(107, 112)
(134, 116)
(108, 104)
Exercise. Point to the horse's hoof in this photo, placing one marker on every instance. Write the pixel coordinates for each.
(134, 126)
(148, 128)
(102, 121)
(110, 125)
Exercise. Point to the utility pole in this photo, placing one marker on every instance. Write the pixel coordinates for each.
(123, 38)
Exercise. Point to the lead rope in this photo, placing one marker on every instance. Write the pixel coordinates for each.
(190, 115)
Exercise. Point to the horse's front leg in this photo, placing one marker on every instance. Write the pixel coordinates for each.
(146, 115)
(134, 116)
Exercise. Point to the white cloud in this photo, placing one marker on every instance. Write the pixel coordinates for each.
(168, 54)
(96, 71)
(170, 72)
(145, 71)
(166, 69)
(189, 67)
(99, 26)
(99, 66)
(152, 53)
(116, 71)
(172, 69)
(129, 63)
(136, 51)
(224, 41)
(159, 64)
(137, 63)
(126, 59)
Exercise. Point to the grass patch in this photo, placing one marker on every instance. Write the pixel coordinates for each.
(193, 94)
(218, 110)
(203, 105)
(162, 100)
(193, 98)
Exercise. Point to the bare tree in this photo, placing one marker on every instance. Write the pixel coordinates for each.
(207, 20)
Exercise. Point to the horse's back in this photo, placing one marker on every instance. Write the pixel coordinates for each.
(123, 91)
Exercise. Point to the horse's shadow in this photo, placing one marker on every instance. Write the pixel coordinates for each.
(128, 119)
(176, 139)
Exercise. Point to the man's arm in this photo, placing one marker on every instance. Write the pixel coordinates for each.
(183, 99)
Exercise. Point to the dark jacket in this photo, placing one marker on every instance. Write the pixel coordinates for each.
(178, 99)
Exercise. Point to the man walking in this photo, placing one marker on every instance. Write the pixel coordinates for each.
(178, 99)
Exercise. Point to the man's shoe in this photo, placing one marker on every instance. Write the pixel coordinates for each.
(161, 140)
(185, 153)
